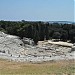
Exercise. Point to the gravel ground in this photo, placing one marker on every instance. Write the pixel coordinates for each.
(40, 58)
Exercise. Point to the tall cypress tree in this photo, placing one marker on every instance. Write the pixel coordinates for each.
(36, 37)
(47, 31)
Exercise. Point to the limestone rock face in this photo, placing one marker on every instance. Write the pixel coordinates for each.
(12, 48)
(10, 44)
(28, 41)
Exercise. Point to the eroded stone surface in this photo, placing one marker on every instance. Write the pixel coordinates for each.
(12, 48)
(10, 44)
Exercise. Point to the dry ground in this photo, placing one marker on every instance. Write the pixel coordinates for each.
(66, 67)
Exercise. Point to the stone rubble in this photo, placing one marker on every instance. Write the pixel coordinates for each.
(14, 49)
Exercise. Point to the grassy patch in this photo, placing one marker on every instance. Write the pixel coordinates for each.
(46, 68)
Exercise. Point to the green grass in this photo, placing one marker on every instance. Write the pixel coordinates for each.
(45, 68)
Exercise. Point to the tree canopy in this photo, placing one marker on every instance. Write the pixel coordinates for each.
(39, 30)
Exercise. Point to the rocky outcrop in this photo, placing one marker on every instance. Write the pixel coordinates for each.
(13, 48)
(10, 44)
(28, 41)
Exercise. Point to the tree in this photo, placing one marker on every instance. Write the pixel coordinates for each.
(74, 39)
(72, 34)
(47, 31)
(64, 35)
(56, 35)
(41, 31)
(36, 37)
